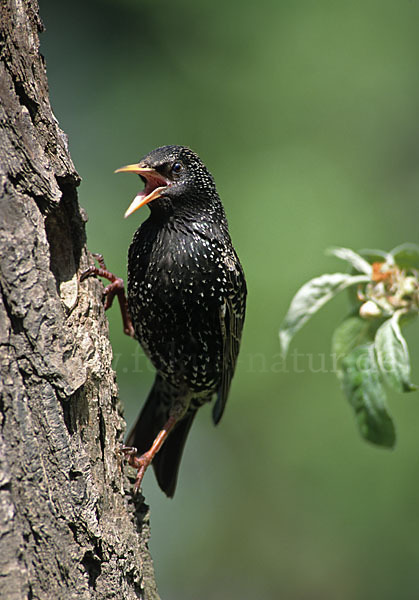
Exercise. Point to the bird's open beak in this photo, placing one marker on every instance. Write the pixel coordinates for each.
(154, 187)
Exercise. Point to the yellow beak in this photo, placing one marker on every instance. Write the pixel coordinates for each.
(155, 185)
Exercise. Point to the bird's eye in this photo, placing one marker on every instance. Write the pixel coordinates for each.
(177, 167)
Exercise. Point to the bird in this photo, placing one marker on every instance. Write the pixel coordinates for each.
(186, 302)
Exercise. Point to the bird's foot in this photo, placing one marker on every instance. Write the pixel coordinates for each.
(142, 462)
(115, 288)
(138, 462)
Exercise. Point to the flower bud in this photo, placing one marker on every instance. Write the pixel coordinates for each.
(370, 310)
(410, 285)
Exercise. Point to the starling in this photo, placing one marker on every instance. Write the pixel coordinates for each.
(186, 301)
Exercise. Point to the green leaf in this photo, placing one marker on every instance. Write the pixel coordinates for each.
(375, 255)
(393, 355)
(406, 256)
(353, 258)
(310, 298)
(361, 383)
(352, 332)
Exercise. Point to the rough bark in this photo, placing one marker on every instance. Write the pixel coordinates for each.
(67, 528)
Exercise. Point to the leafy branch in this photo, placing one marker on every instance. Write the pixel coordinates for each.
(371, 352)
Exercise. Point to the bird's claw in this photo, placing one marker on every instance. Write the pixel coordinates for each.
(114, 288)
(100, 259)
(138, 462)
(128, 450)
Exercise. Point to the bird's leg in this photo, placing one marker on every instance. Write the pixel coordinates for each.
(142, 462)
(115, 288)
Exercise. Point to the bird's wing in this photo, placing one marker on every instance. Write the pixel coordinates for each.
(231, 321)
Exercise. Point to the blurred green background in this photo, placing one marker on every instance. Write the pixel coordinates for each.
(307, 114)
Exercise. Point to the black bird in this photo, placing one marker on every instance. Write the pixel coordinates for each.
(186, 299)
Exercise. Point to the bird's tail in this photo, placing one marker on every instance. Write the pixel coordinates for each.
(152, 419)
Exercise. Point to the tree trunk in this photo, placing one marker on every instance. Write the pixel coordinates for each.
(67, 529)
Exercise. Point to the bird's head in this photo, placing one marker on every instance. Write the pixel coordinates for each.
(173, 173)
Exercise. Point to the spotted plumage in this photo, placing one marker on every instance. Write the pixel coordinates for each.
(186, 298)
